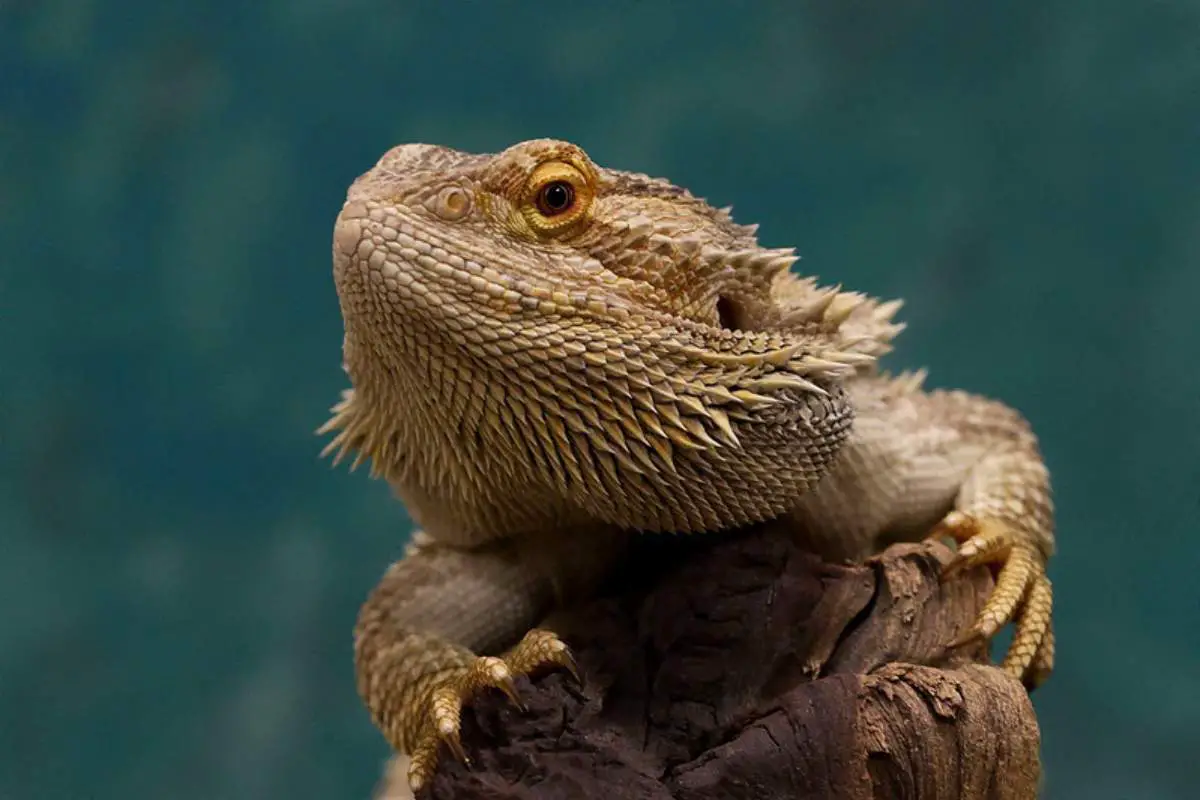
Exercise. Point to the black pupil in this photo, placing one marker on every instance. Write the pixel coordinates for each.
(557, 196)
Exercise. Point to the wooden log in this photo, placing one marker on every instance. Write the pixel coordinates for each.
(750, 668)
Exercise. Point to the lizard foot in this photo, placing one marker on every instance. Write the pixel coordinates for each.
(1022, 593)
(443, 712)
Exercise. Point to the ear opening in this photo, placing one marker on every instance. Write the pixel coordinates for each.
(730, 314)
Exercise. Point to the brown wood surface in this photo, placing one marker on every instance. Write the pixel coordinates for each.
(750, 668)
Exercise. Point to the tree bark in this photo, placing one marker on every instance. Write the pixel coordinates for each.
(750, 668)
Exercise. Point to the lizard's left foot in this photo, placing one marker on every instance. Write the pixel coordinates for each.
(539, 648)
(1022, 593)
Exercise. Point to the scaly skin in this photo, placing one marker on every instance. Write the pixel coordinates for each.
(547, 356)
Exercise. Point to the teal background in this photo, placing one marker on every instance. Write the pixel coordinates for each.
(179, 573)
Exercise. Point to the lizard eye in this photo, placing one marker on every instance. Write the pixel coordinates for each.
(557, 196)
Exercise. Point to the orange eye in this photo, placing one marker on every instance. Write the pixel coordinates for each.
(558, 197)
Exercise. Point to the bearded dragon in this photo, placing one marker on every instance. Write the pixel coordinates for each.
(547, 356)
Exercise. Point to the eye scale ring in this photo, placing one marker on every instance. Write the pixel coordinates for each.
(557, 198)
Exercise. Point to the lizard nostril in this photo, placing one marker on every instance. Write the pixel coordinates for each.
(451, 203)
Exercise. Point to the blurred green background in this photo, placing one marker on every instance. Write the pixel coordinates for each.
(179, 573)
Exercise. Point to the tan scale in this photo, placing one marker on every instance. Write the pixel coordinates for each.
(548, 356)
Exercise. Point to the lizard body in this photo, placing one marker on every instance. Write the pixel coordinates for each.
(548, 356)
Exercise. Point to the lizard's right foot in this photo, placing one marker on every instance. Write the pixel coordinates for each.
(443, 713)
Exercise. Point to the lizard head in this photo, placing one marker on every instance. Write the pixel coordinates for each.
(541, 218)
(618, 314)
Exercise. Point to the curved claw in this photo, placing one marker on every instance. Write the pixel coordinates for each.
(1022, 592)
(1043, 662)
(1032, 627)
(541, 648)
(443, 718)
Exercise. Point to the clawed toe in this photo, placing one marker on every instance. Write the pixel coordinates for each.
(1022, 593)
(539, 648)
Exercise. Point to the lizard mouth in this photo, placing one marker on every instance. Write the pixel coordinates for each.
(393, 273)
(403, 288)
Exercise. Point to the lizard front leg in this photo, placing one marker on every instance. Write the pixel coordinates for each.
(1002, 517)
(421, 630)
(949, 464)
